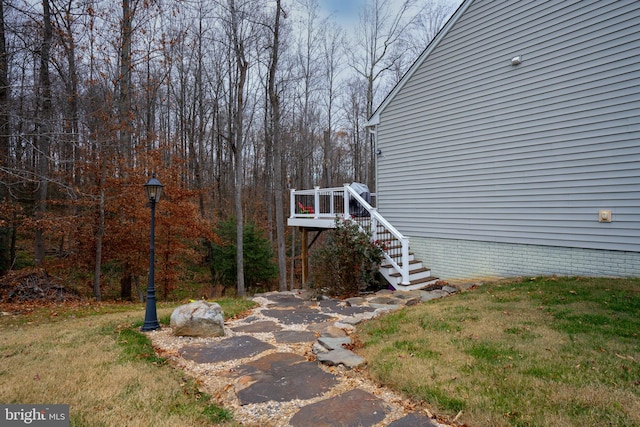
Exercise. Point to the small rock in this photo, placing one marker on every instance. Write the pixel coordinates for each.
(341, 356)
(450, 289)
(467, 286)
(344, 326)
(354, 301)
(198, 319)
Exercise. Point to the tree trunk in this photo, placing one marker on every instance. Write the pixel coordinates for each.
(125, 283)
(4, 100)
(277, 151)
(44, 132)
(242, 67)
(99, 235)
(124, 102)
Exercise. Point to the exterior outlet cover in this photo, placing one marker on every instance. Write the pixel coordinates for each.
(604, 215)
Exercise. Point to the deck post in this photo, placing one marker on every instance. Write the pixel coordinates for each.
(346, 202)
(304, 253)
(292, 203)
(374, 225)
(316, 201)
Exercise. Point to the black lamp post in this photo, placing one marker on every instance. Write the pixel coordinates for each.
(153, 190)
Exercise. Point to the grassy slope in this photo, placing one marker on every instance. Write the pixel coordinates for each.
(543, 352)
(98, 365)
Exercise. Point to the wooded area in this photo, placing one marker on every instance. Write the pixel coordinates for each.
(229, 102)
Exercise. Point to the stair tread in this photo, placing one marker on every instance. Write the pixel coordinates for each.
(424, 280)
(413, 261)
(419, 270)
(398, 254)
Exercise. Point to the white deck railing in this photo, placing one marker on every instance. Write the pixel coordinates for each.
(346, 204)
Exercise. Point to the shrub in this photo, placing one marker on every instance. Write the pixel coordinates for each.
(347, 261)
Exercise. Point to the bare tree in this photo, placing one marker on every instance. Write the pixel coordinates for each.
(332, 55)
(427, 23)
(375, 53)
(238, 75)
(5, 130)
(44, 130)
(274, 102)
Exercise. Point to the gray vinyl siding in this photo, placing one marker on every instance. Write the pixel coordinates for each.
(475, 148)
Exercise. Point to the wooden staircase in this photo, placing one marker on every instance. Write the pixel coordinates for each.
(419, 275)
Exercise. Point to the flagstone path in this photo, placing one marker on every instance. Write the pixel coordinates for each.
(286, 364)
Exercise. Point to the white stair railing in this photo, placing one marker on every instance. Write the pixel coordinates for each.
(392, 242)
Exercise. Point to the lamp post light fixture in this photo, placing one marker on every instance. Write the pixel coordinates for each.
(153, 190)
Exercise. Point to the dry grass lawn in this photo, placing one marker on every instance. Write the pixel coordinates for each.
(537, 352)
(82, 362)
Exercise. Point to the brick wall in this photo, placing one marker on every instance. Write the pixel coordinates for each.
(464, 259)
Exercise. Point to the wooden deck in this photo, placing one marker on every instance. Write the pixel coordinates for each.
(318, 209)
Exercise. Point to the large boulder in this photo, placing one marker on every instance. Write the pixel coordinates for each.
(198, 319)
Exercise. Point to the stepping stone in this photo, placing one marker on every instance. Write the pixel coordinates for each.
(327, 329)
(298, 316)
(348, 311)
(413, 420)
(286, 300)
(284, 337)
(282, 377)
(383, 300)
(263, 326)
(341, 356)
(317, 348)
(331, 343)
(435, 294)
(385, 307)
(360, 317)
(224, 350)
(329, 303)
(355, 408)
(406, 298)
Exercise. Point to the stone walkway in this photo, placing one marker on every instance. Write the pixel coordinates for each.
(288, 363)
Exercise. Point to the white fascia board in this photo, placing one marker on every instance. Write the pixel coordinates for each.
(375, 117)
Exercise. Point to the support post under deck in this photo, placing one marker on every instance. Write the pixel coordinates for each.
(304, 253)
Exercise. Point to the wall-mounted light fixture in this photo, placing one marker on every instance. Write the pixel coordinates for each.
(516, 60)
(604, 215)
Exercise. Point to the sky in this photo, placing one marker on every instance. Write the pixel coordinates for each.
(344, 8)
(345, 11)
